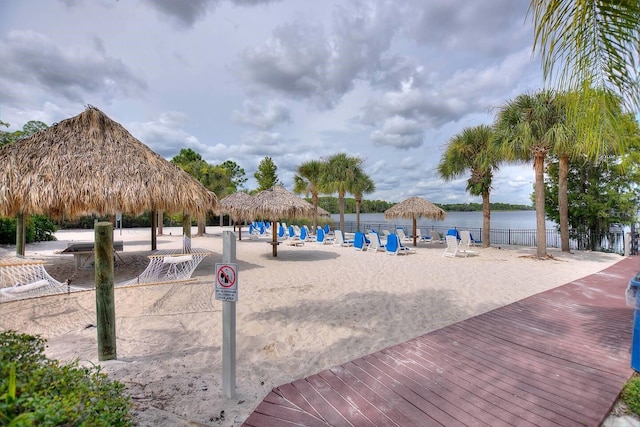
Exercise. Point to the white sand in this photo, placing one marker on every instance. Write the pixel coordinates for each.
(311, 308)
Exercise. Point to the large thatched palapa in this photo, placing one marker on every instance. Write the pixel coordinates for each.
(90, 164)
(275, 203)
(414, 208)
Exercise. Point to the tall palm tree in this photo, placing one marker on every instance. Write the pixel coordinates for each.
(307, 181)
(568, 145)
(340, 175)
(527, 129)
(472, 151)
(363, 185)
(564, 148)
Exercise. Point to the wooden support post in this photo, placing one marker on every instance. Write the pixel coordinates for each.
(229, 323)
(186, 233)
(274, 240)
(154, 224)
(160, 223)
(105, 300)
(21, 233)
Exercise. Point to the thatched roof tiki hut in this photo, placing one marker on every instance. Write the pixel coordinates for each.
(276, 203)
(90, 164)
(414, 208)
(236, 205)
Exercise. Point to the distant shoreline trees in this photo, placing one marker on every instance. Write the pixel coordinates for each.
(330, 204)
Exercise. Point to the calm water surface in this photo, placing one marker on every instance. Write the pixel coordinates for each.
(515, 220)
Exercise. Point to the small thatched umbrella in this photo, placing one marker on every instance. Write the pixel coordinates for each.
(236, 205)
(90, 164)
(275, 203)
(414, 208)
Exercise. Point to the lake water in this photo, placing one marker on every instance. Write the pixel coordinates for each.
(514, 220)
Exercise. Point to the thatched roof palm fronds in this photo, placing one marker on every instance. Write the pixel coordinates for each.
(276, 202)
(90, 164)
(414, 208)
(237, 206)
(322, 212)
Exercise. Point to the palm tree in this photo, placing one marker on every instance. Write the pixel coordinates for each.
(363, 185)
(592, 43)
(564, 148)
(527, 130)
(472, 151)
(568, 146)
(340, 175)
(307, 181)
(586, 45)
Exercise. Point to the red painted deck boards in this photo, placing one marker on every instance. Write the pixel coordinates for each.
(559, 358)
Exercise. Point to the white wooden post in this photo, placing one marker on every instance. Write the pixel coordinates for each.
(228, 323)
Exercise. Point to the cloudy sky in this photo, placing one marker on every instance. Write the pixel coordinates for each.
(390, 81)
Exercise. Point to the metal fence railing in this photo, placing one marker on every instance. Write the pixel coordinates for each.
(605, 242)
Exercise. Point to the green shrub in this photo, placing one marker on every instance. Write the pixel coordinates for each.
(39, 229)
(35, 390)
(8, 231)
(43, 229)
(631, 394)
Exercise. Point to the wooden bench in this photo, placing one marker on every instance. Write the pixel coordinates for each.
(82, 251)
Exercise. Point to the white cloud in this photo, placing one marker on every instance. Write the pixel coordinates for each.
(267, 117)
(388, 80)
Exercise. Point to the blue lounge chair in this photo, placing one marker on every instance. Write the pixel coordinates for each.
(322, 238)
(453, 232)
(303, 234)
(395, 247)
(292, 238)
(359, 241)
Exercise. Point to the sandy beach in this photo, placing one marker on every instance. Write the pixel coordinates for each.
(311, 308)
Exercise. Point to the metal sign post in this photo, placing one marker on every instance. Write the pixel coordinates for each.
(227, 292)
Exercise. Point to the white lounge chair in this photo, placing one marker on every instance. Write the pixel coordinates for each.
(402, 235)
(339, 239)
(375, 244)
(466, 240)
(423, 237)
(454, 249)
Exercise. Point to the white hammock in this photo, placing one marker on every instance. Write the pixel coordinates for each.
(21, 278)
(169, 265)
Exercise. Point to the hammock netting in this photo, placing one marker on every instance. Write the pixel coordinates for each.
(169, 265)
(22, 278)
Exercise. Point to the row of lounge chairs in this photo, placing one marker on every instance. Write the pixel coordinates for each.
(458, 242)
(371, 242)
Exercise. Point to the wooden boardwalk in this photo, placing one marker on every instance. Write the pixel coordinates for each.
(558, 358)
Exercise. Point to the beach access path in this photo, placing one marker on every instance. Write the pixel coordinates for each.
(557, 358)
